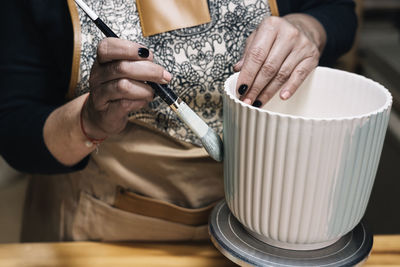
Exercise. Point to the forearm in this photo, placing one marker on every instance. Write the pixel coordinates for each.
(63, 135)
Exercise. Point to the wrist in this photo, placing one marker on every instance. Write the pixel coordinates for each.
(93, 135)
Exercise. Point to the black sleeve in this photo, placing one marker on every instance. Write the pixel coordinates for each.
(338, 18)
(35, 62)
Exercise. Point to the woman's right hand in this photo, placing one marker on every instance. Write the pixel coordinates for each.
(117, 86)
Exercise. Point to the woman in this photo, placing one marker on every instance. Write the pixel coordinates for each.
(149, 179)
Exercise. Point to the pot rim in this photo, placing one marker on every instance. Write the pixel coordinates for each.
(382, 109)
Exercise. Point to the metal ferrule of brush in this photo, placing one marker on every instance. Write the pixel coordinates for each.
(175, 106)
(210, 140)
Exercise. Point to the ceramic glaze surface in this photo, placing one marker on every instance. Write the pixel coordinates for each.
(301, 171)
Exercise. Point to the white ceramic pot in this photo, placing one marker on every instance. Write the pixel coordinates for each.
(299, 173)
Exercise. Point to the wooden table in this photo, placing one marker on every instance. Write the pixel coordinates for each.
(386, 252)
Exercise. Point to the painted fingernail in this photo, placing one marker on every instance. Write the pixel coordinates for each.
(257, 104)
(143, 52)
(166, 76)
(242, 89)
(285, 95)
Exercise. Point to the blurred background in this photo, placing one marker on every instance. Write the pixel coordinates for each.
(376, 54)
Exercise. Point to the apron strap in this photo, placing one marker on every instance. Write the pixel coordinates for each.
(76, 54)
(273, 7)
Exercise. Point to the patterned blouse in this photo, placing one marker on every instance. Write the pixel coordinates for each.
(200, 58)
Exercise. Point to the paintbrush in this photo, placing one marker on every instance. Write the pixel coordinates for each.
(209, 138)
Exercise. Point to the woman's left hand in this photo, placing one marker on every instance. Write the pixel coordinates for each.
(279, 55)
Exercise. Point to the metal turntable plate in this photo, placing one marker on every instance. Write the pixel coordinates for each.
(230, 237)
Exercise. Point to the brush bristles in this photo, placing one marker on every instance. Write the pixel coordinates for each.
(213, 145)
(210, 140)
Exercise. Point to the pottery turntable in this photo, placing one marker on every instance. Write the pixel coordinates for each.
(243, 248)
(298, 173)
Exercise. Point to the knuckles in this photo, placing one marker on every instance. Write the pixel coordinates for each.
(272, 23)
(114, 67)
(315, 53)
(257, 55)
(118, 67)
(301, 73)
(293, 33)
(102, 49)
(269, 69)
(123, 85)
(282, 76)
(309, 46)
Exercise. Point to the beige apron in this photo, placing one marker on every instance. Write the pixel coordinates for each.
(142, 184)
(81, 205)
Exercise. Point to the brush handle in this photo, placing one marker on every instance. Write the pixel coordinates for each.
(104, 28)
(164, 92)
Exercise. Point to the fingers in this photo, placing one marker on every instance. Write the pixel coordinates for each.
(255, 55)
(306, 58)
(117, 84)
(239, 64)
(271, 68)
(110, 49)
(123, 107)
(107, 109)
(113, 120)
(108, 106)
(123, 59)
(298, 76)
(134, 70)
(291, 75)
(279, 55)
(121, 90)
(285, 72)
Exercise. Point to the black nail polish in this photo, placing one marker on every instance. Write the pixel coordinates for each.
(143, 52)
(242, 89)
(257, 104)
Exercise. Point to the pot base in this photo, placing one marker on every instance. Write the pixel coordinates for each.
(234, 241)
(285, 245)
